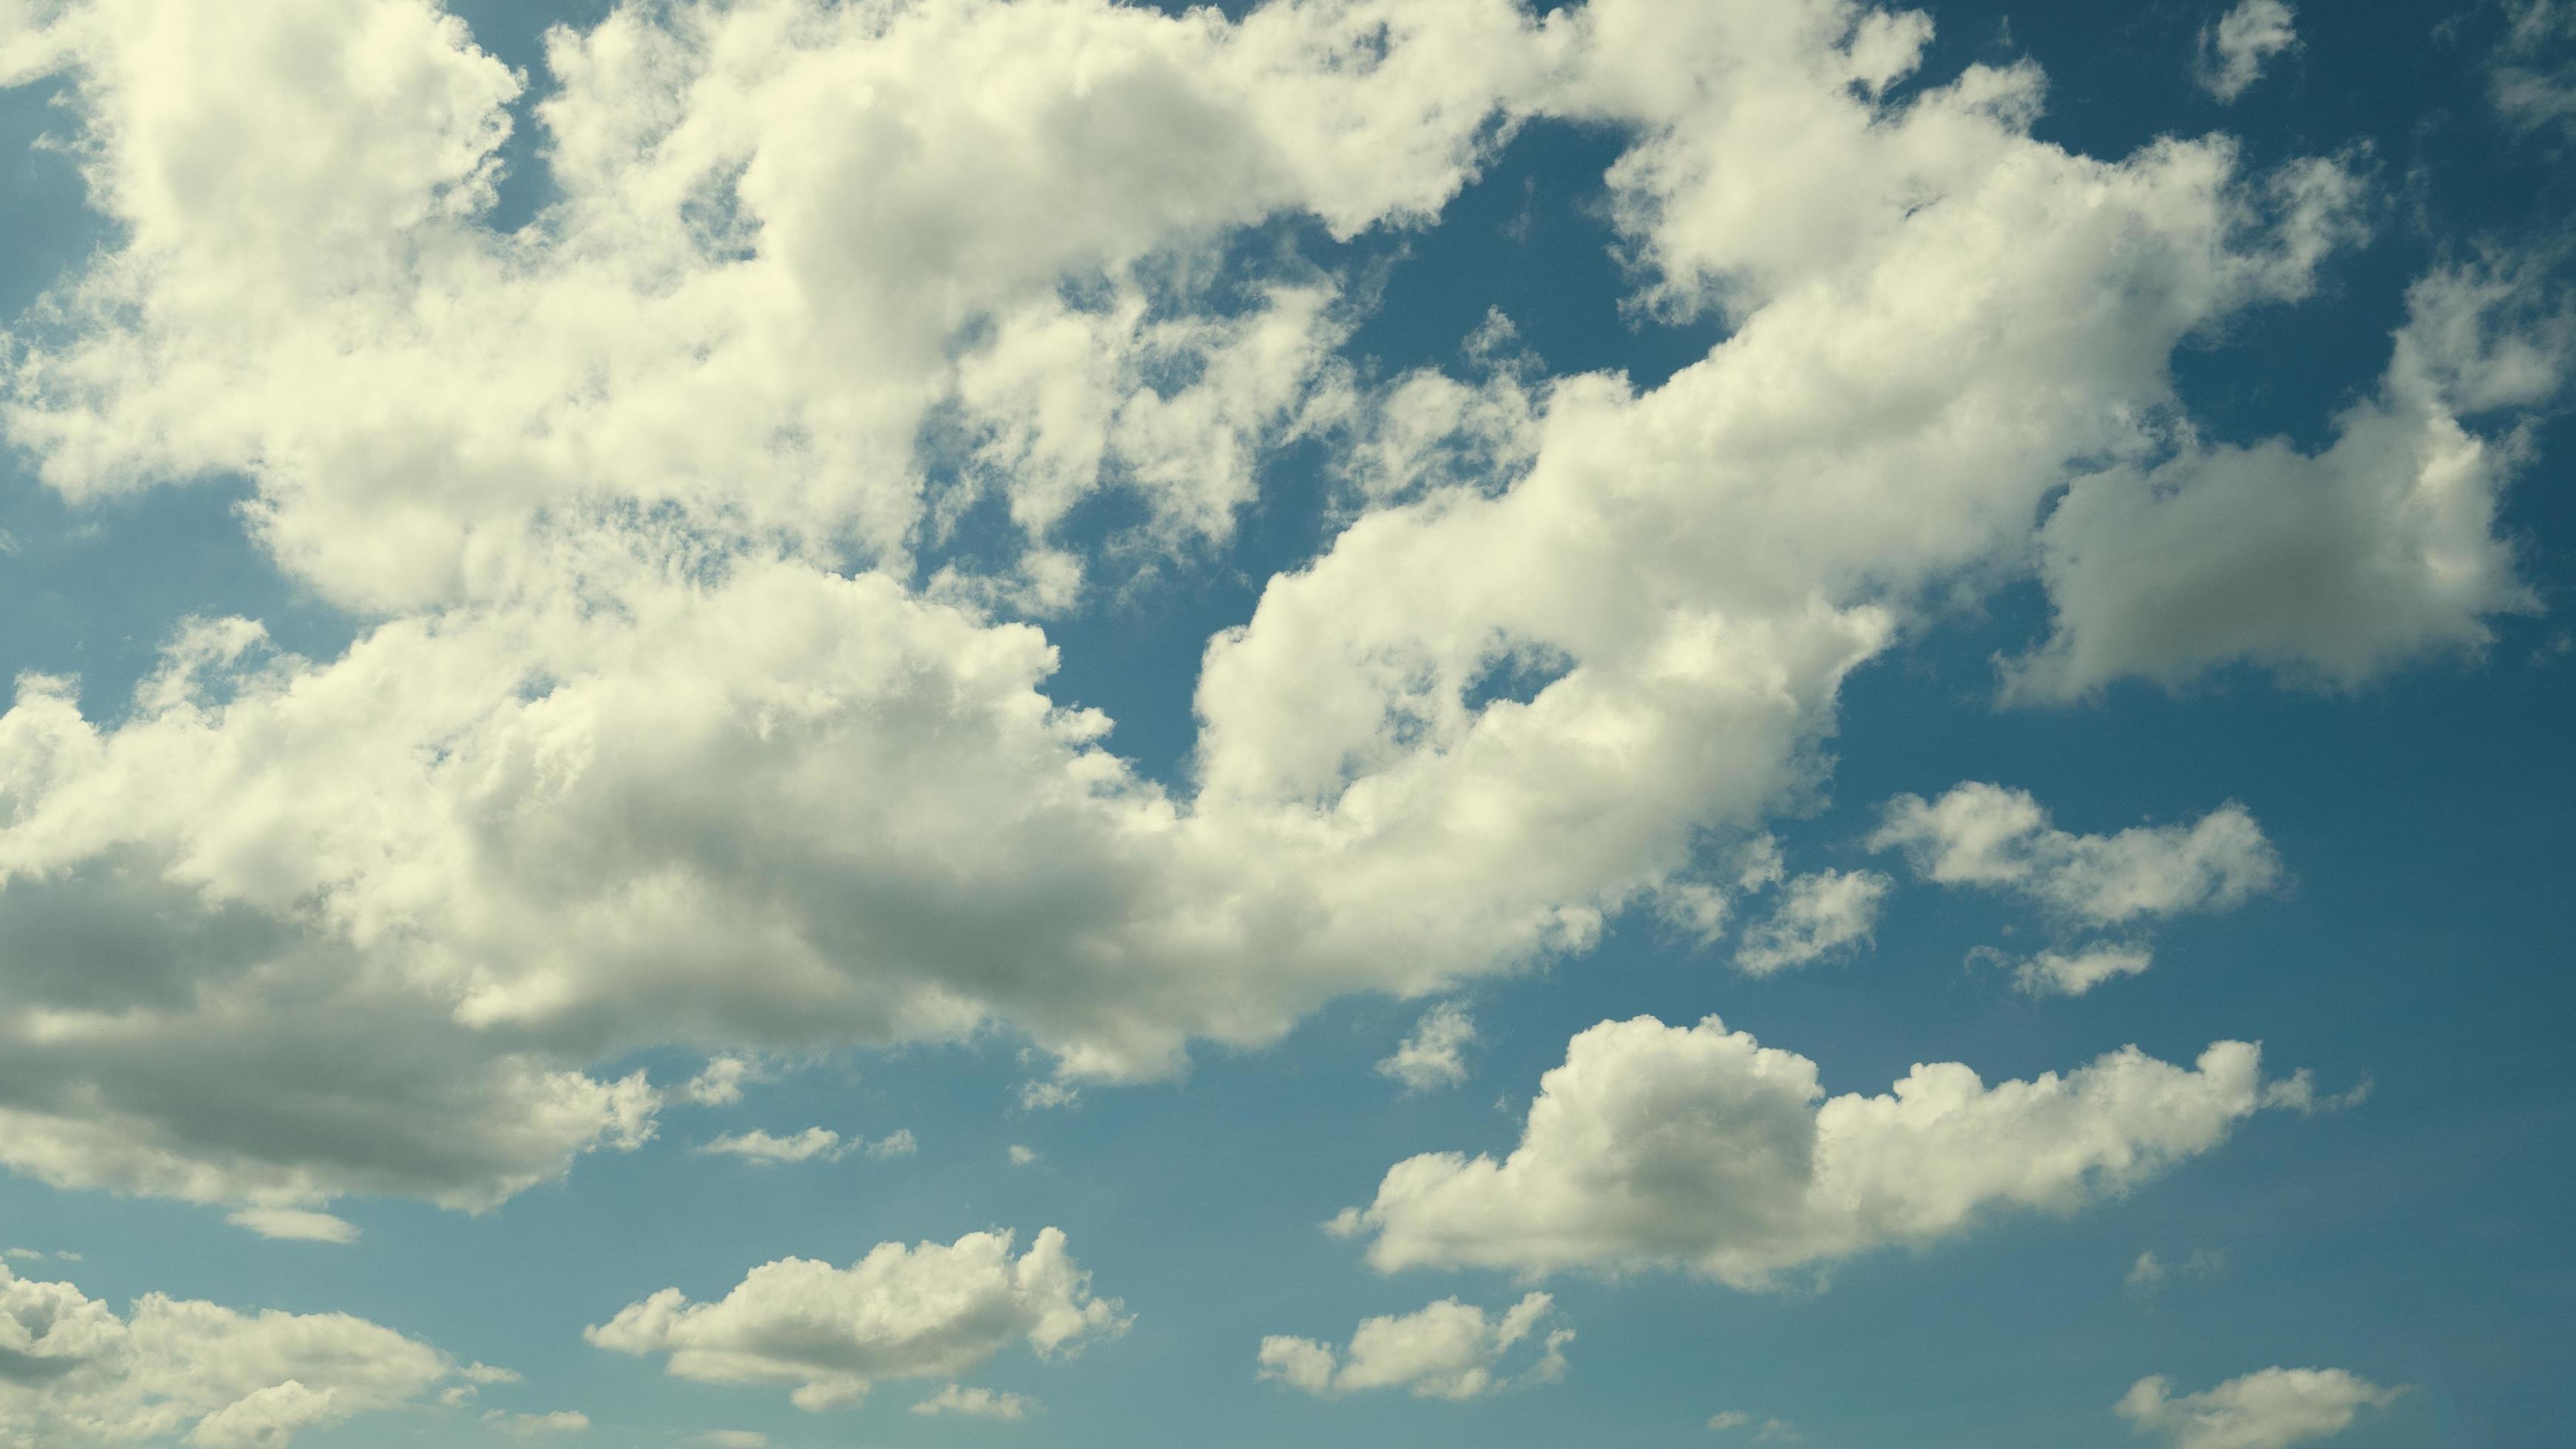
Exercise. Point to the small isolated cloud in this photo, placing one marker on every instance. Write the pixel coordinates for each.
(928, 1311)
(1434, 1055)
(976, 1403)
(1448, 1350)
(2150, 1274)
(537, 1426)
(720, 1082)
(2234, 51)
(72, 1371)
(2270, 1409)
(1989, 837)
(295, 1224)
(762, 1150)
(1699, 1148)
(2072, 973)
(1828, 913)
(1022, 1156)
(898, 1143)
(2298, 1093)
(1045, 1096)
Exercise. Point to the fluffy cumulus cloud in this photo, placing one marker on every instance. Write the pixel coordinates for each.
(928, 1311)
(2271, 1409)
(1447, 1350)
(2234, 51)
(680, 713)
(72, 1370)
(1699, 1148)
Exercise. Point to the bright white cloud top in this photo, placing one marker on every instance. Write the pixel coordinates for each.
(714, 430)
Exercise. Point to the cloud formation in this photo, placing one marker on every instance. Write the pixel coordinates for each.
(1698, 1148)
(677, 715)
(928, 1311)
(2269, 1409)
(1434, 1055)
(1818, 916)
(1989, 837)
(74, 1371)
(1447, 1350)
(1993, 838)
(2234, 51)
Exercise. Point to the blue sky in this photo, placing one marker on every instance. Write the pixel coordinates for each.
(1339, 663)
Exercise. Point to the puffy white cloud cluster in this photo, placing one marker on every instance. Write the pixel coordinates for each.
(928, 1311)
(1659, 1146)
(72, 1370)
(1993, 838)
(1447, 1350)
(2270, 1409)
(2236, 49)
(671, 722)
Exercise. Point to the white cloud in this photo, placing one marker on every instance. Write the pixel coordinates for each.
(1769, 1431)
(898, 1143)
(720, 1082)
(2331, 567)
(537, 1426)
(1448, 1350)
(1824, 914)
(762, 1150)
(76, 1372)
(1696, 1147)
(294, 1223)
(2072, 973)
(638, 500)
(2532, 80)
(2149, 1274)
(2234, 52)
(977, 1403)
(1022, 1156)
(2270, 1409)
(928, 1311)
(1993, 838)
(1434, 1056)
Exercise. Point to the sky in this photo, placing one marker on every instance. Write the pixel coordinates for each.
(978, 722)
